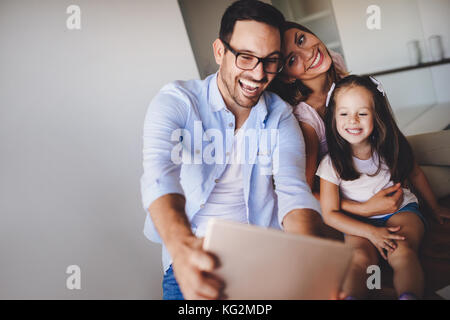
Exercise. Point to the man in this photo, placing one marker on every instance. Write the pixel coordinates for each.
(266, 188)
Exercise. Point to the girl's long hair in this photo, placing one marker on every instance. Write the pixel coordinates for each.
(386, 139)
(295, 92)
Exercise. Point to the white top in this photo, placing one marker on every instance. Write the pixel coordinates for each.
(305, 113)
(227, 200)
(365, 187)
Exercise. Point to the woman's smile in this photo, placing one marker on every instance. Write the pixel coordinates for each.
(317, 61)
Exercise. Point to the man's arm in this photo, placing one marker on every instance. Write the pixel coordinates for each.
(303, 221)
(163, 197)
(299, 210)
(191, 264)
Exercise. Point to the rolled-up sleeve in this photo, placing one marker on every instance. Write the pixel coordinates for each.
(290, 180)
(167, 112)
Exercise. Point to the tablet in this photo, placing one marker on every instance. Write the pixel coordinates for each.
(268, 264)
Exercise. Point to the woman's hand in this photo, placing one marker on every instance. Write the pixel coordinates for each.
(385, 201)
(383, 238)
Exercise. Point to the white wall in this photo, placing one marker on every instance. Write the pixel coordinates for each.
(72, 105)
(435, 17)
(202, 19)
(411, 93)
(375, 50)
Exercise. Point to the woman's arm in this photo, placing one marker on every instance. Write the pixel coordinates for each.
(382, 238)
(312, 151)
(420, 182)
(332, 215)
(385, 201)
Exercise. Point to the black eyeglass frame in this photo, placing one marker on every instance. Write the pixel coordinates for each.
(263, 60)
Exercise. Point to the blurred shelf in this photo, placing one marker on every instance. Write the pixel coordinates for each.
(432, 119)
(314, 16)
(333, 44)
(408, 68)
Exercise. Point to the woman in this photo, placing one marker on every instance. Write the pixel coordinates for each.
(310, 70)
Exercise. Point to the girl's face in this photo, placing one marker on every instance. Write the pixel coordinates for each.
(354, 114)
(306, 56)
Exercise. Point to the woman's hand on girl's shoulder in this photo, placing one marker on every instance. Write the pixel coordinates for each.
(383, 238)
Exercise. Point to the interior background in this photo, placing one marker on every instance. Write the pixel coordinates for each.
(72, 105)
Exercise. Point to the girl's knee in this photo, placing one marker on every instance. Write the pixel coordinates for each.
(364, 258)
(403, 252)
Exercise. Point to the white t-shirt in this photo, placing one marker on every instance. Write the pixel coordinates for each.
(226, 200)
(365, 187)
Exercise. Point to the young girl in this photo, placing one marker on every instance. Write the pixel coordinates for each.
(368, 153)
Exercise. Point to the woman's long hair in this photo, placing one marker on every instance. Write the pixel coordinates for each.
(386, 139)
(295, 92)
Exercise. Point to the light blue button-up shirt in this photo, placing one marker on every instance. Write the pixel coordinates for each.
(188, 134)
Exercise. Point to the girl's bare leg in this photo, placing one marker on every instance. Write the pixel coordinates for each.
(364, 255)
(404, 260)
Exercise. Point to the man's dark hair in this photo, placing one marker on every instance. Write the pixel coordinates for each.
(249, 10)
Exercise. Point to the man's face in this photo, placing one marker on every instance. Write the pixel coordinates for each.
(244, 87)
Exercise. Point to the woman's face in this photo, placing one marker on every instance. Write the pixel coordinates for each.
(306, 56)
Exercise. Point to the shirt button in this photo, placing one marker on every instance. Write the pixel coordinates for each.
(202, 206)
(216, 181)
(227, 154)
(197, 151)
(230, 124)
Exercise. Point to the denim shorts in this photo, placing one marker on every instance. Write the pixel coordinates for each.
(381, 222)
(171, 290)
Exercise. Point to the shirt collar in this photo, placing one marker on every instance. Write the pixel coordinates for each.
(215, 100)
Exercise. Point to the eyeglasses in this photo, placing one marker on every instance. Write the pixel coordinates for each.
(247, 61)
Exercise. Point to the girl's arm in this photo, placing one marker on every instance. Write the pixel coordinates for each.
(312, 151)
(420, 182)
(332, 215)
(385, 201)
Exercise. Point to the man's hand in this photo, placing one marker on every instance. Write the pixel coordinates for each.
(192, 265)
(193, 269)
(385, 201)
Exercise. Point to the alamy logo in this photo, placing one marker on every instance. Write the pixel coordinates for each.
(213, 147)
(73, 282)
(374, 281)
(374, 19)
(73, 22)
